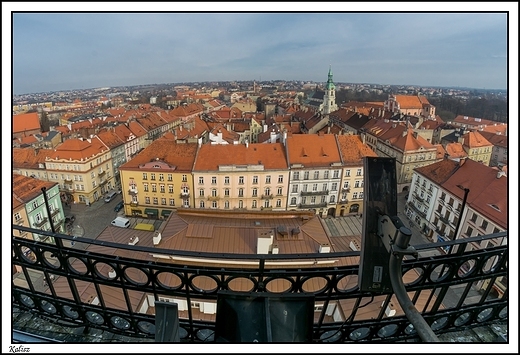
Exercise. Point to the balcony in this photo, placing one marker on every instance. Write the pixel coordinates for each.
(418, 197)
(445, 220)
(444, 312)
(101, 173)
(134, 204)
(342, 201)
(263, 208)
(213, 198)
(314, 193)
(311, 206)
(345, 189)
(132, 191)
(185, 195)
(267, 197)
(40, 223)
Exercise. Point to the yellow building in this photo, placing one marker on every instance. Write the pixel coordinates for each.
(158, 180)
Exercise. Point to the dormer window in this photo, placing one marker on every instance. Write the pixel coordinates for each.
(495, 207)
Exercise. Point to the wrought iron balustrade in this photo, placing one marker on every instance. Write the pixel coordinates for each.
(111, 273)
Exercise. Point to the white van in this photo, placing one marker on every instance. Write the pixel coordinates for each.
(110, 196)
(121, 222)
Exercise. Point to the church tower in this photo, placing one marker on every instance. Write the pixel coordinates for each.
(329, 98)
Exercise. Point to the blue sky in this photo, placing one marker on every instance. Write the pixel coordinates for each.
(62, 51)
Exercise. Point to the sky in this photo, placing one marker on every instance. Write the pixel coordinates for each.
(79, 50)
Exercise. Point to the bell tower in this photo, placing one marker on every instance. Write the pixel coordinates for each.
(329, 98)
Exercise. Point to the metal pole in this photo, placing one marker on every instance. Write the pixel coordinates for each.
(466, 192)
(396, 258)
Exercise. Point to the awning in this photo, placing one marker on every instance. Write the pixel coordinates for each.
(154, 211)
(166, 213)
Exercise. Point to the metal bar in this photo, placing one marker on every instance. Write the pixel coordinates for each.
(421, 326)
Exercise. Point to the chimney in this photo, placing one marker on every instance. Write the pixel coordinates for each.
(264, 242)
(324, 248)
(500, 174)
(156, 238)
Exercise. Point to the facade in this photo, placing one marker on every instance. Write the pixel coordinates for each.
(316, 167)
(241, 176)
(117, 149)
(499, 152)
(352, 150)
(418, 106)
(82, 168)
(477, 147)
(29, 209)
(158, 180)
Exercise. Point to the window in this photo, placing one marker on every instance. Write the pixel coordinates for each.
(313, 200)
(294, 188)
(306, 175)
(323, 199)
(226, 179)
(280, 179)
(358, 173)
(267, 191)
(170, 177)
(152, 176)
(240, 192)
(324, 187)
(214, 204)
(226, 204)
(145, 186)
(469, 231)
(214, 192)
(334, 186)
(201, 204)
(161, 177)
(354, 196)
(241, 180)
(172, 202)
(268, 179)
(361, 195)
(278, 203)
(266, 204)
(255, 179)
(326, 174)
(201, 192)
(154, 187)
(347, 173)
(185, 190)
(240, 204)
(335, 174)
(161, 187)
(296, 175)
(314, 187)
(495, 230)
(451, 201)
(279, 191)
(316, 175)
(213, 180)
(304, 187)
(163, 201)
(293, 201)
(147, 200)
(184, 178)
(304, 200)
(343, 196)
(170, 188)
(443, 196)
(473, 217)
(357, 183)
(255, 192)
(346, 185)
(155, 201)
(253, 205)
(201, 180)
(226, 192)
(484, 224)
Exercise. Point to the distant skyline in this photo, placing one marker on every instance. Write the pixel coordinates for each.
(64, 51)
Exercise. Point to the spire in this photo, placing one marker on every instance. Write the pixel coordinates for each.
(330, 83)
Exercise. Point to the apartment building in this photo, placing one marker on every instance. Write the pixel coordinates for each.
(29, 208)
(352, 151)
(316, 168)
(241, 176)
(158, 180)
(83, 169)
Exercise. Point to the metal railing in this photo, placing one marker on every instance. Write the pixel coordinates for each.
(109, 272)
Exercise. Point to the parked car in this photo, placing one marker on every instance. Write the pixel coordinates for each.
(119, 206)
(110, 196)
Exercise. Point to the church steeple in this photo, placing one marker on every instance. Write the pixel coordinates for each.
(330, 83)
(329, 99)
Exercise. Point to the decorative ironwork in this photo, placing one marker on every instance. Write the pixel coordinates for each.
(316, 205)
(436, 275)
(314, 193)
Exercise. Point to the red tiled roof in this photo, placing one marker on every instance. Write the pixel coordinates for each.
(475, 139)
(410, 102)
(77, 149)
(271, 156)
(455, 150)
(29, 158)
(26, 122)
(353, 150)
(180, 155)
(438, 172)
(313, 150)
(27, 188)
